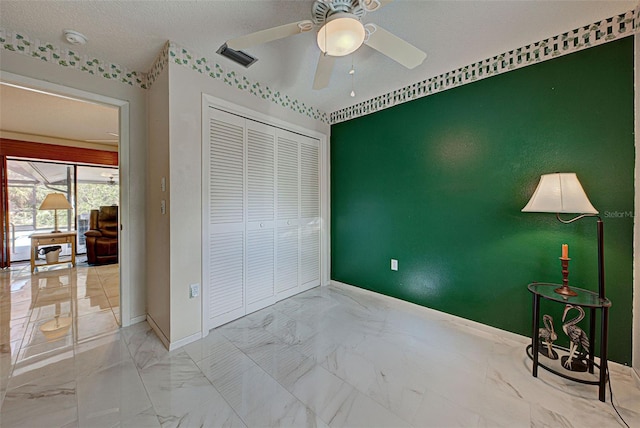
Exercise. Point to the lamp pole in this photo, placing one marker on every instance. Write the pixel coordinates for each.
(601, 290)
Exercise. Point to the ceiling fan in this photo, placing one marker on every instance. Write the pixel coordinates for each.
(111, 180)
(341, 33)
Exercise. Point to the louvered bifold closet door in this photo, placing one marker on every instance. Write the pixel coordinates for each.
(261, 201)
(226, 217)
(288, 213)
(309, 213)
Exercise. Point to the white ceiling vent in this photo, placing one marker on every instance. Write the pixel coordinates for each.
(240, 57)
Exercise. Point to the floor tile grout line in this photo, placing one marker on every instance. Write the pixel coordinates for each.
(316, 363)
(144, 385)
(217, 390)
(269, 374)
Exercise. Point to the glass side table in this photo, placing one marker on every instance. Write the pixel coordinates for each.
(585, 299)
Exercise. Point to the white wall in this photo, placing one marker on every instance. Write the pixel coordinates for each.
(185, 90)
(636, 257)
(158, 239)
(134, 172)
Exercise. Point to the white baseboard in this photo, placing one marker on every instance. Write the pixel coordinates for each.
(158, 332)
(443, 315)
(620, 368)
(166, 342)
(138, 319)
(180, 343)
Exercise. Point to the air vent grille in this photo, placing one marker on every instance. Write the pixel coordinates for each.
(240, 57)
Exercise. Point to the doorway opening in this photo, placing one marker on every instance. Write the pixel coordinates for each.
(65, 164)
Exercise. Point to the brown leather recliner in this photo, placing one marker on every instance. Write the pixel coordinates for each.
(102, 236)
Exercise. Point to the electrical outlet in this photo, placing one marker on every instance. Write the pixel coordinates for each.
(163, 184)
(194, 290)
(163, 207)
(394, 264)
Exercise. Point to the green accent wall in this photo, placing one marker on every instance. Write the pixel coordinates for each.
(438, 183)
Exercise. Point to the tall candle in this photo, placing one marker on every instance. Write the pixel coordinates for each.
(565, 251)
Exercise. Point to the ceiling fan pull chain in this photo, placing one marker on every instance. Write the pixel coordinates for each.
(352, 72)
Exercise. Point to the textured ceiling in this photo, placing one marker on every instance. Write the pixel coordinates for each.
(452, 33)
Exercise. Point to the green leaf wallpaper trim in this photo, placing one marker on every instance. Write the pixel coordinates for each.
(578, 39)
(234, 79)
(162, 60)
(21, 43)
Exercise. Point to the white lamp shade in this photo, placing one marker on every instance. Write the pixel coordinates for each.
(55, 201)
(560, 193)
(341, 36)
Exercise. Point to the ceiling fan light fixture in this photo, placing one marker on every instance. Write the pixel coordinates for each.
(341, 35)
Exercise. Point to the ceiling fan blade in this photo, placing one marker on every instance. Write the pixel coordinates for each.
(394, 47)
(323, 71)
(270, 34)
(373, 5)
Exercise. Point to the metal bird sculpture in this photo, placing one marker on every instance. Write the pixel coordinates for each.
(548, 335)
(577, 336)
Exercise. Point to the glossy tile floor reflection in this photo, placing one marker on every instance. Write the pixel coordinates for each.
(46, 317)
(333, 356)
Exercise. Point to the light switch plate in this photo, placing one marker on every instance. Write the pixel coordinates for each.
(194, 290)
(394, 264)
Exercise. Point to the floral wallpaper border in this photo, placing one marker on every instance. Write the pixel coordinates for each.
(19, 42)
(158, 66)
(181, 56)
(581, 38)
(569, 42)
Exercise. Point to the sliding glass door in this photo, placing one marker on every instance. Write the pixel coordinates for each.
(29, 182)
(97, 187)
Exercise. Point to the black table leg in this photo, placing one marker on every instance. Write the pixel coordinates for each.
(592, 338)
(535, 333)
(604, 328)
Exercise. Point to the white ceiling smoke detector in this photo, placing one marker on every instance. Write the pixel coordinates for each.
(74, 38)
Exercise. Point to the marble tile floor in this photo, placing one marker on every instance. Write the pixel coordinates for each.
(330, 357)
(45, 316)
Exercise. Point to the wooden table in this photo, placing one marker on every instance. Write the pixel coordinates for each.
(57, 238)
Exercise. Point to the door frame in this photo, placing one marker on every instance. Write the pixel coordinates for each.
(123, 168)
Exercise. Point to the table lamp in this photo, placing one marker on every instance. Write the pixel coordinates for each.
(562, 193)
(55, 201)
